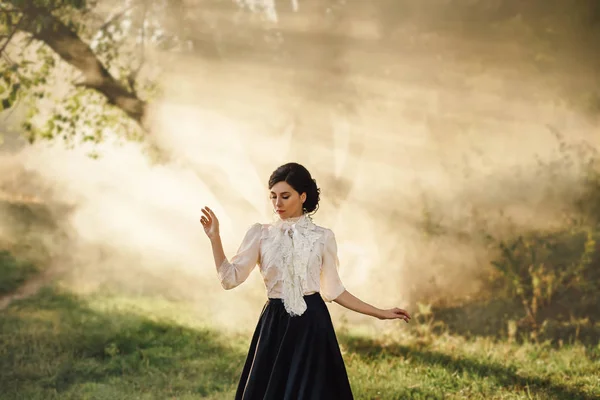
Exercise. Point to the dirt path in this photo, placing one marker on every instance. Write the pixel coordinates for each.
(29, 288)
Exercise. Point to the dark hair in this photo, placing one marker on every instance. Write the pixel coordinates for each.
(298, 177)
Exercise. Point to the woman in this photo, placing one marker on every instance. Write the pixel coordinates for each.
(294, 353)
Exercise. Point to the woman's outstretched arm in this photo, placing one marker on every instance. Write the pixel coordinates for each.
(332, 288)
(351, 302)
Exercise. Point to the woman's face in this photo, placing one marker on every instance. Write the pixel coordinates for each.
(287, 203)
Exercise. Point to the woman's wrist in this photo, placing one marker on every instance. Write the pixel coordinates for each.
(377, 313)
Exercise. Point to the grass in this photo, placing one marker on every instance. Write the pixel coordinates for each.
(55, 345)
(453, 368)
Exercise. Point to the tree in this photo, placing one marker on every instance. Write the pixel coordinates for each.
(42, 38)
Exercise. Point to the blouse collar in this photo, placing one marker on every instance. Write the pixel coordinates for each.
(303, 220)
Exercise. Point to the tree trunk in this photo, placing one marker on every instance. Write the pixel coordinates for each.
(69, 46)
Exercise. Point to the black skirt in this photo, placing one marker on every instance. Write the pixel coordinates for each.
(294, 357)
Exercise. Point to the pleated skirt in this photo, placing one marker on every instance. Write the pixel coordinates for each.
(295, 358)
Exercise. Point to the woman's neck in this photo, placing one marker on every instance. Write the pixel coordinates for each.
(293, 218)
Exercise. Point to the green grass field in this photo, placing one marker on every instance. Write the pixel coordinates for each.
(55, 345)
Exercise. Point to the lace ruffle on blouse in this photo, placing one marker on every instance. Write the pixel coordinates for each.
(296, 258)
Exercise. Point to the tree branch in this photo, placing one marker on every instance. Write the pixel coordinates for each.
(69, 46)
(115, 17)
(9, 37)
(133, 75)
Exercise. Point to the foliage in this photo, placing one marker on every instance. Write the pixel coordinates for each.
(35, 74)
(556, 274)
(544, 283)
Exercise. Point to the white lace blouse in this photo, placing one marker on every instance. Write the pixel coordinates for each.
(296, 258)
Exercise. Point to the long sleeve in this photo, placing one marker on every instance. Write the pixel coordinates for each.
(331, 284)
(235, 272)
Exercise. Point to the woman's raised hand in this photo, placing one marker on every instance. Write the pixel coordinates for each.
(210, 223)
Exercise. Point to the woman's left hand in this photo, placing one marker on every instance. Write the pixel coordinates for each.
(394, 313)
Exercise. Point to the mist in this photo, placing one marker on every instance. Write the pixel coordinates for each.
(400, 130)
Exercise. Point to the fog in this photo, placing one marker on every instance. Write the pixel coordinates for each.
(419, 142)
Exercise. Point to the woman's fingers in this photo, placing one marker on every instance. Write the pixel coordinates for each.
(212, 214)
(402, 312)
(206, 219)
(402, 317)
